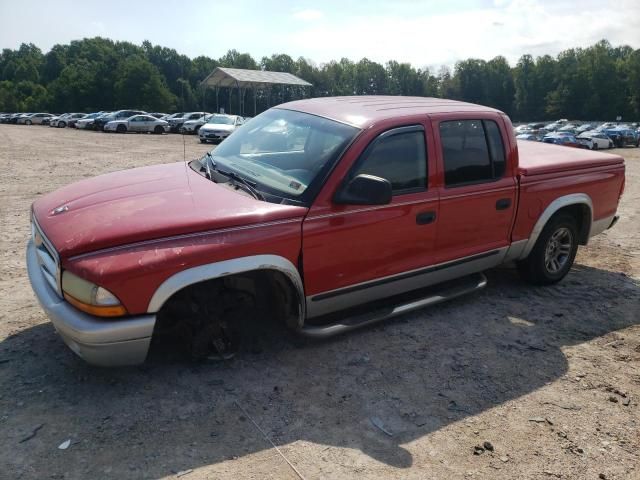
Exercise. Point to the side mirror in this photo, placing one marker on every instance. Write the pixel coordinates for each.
(364, 190)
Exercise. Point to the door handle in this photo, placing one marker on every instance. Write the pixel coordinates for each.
(503, 204)
(425, 218)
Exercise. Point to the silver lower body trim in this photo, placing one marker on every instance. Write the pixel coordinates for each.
(351, 296)
(98, 341)
(325, 331)
(599, 226)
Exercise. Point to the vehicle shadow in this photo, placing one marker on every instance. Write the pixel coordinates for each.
(373, 390)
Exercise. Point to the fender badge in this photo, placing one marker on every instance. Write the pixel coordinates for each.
(59, 210)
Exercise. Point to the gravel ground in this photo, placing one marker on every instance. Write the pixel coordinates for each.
(547, 376)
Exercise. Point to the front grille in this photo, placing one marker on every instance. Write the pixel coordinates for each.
(47, 257)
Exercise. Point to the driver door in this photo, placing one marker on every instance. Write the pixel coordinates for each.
(136, 124)
(356, 253)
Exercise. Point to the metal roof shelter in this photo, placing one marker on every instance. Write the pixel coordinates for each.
(239, 78)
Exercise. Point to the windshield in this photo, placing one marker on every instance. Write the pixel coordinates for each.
(220, 120)
(284, 151)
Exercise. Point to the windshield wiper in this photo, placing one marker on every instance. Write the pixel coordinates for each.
(236, 180)
(242, 182)
(209, 164)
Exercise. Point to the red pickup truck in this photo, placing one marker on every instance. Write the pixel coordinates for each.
(327, 213)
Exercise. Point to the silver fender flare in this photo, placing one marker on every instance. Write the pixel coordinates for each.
(225, 268)
(557, 204)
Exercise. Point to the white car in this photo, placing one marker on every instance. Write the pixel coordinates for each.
(86, 122)
(63, 120)
(176, 121)
(192, 126)
(594, 140)
(138, 123)
(219, 127)
(34, 118)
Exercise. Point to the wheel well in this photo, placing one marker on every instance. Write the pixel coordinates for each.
(582, 214)
(271, 293)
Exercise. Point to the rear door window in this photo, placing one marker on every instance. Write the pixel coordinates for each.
(472, 151)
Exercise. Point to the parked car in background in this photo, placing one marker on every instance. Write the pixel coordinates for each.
(47, 120)
(218, 127)
(4, 118)
(521, 129)
(173, 115)
(569, 127)
(594, 140)
(101, 121)
(34, 118)
(176, 122)
(138, 124)
(158, 115)
(63, 120)
(87, 123)
(585, 127)
(623, 137)
(566, 140)
(552, 127)
(528, 136)
(17, 116)
(192, 126)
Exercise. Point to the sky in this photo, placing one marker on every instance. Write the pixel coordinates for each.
(425, 33)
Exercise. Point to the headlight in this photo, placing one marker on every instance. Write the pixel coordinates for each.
(89, 297)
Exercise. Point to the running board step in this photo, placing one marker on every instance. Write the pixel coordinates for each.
(461, 287)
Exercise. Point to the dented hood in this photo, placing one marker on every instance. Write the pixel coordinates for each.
(143, 204)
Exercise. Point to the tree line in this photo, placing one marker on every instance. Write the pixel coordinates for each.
(598, 82)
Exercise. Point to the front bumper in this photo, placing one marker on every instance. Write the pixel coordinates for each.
(211, 135)
(103, 342)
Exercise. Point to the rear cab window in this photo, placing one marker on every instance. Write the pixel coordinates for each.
(472, 152)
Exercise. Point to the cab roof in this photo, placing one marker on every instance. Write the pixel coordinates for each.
(363, 111)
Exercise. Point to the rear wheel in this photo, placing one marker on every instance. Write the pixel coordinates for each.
(28, 122)
(554, 252)
(62, 124)
(595, 146)
(121, 129)
(158, 130)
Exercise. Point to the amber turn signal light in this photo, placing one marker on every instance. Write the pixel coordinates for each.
(98, 311)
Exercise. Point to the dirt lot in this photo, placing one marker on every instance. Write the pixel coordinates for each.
(548, 376)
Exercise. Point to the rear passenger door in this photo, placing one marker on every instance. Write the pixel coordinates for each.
(477, 187)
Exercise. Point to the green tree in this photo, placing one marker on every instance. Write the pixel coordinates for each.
(140, 85)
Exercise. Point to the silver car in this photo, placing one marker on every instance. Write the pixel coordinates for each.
(138, 123)
(594, 140)
(63, 120)
(34, 118)
(219, 127)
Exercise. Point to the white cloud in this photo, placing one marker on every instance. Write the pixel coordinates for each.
(511, 29)
(308, 15)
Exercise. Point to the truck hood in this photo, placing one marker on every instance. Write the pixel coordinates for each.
(144, 204)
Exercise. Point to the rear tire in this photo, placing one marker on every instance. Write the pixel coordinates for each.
(121, 129)
(158, 130)
(554, 252)
(595, 146)
(62, 124)
(28, 122)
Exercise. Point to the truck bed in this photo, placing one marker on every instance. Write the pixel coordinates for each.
(537, 158)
